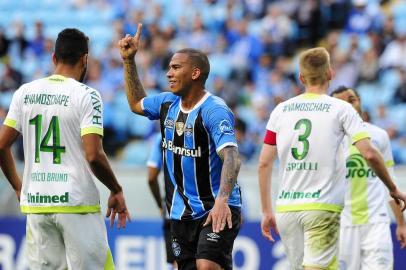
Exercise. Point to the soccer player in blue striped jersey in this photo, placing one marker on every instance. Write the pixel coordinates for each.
(200, 159)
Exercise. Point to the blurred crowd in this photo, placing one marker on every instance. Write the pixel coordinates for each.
(252, 46)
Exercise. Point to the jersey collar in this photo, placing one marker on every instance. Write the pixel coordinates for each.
(203, 99)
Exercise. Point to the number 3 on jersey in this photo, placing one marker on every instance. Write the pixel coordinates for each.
(53, 130)
(302, 138)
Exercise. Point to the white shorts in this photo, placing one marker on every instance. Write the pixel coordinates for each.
(310, 238)
(67, 241)
(366, 247)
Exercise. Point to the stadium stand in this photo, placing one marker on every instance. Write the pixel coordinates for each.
(252, 45)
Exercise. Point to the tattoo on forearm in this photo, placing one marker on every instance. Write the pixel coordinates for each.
(229, 173)
(133, 87)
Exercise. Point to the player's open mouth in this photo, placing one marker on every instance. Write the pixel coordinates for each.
(172, 83)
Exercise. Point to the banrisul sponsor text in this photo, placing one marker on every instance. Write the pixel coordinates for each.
(182, 151)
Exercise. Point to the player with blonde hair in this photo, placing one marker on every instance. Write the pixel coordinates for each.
(306, 133)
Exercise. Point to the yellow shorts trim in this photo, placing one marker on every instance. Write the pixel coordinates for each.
(309, 206)
(78, 209)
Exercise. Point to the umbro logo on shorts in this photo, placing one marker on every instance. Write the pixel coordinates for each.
(213, 237)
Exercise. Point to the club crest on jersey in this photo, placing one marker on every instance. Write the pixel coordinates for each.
(180, 128)
(226, 127)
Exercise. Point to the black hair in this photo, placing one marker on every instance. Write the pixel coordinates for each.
(342, 89)
(240, 125)
(71, 45)
(199, 60)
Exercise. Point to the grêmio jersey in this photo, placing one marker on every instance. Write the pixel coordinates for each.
(155, 155)
(366, 197)
(309, 131)
(191, 141)
(52, 114)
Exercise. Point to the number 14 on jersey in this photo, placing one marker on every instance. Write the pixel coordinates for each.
(43, 145)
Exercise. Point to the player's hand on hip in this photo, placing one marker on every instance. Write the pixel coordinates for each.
(400, 198)
(401, 235)
(116, 205)
(268, 223)
(129, 45)
(219, 216)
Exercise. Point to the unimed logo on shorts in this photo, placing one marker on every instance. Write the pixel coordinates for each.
(40, 198)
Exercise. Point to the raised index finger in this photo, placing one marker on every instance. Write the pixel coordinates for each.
(138, 34)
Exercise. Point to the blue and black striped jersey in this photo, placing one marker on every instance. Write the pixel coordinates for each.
(190, 143)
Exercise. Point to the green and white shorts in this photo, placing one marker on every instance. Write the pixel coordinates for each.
(310, 238)
(67, 241)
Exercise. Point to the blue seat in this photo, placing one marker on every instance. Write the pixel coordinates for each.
(135, 153)
(390, 78)
(370, 95)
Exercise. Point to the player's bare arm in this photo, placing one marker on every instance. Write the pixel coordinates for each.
(231, 167)
(99, 164)
(8, 136)
(220, 215)
(133, 87)
(265, 165)
(153, 183)
(376, 162)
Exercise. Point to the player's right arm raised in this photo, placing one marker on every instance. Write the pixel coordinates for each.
(134, 90)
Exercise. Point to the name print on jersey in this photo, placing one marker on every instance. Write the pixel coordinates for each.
(307, 107)
(49, 177)
(96, 102)
(45, 99)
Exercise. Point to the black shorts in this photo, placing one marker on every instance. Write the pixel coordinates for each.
(170, 258)
(191, 241)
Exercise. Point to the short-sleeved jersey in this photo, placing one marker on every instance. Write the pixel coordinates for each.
(52, 114)
(155, 156)
(309, 131)
(191, 141)
(366, 197)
